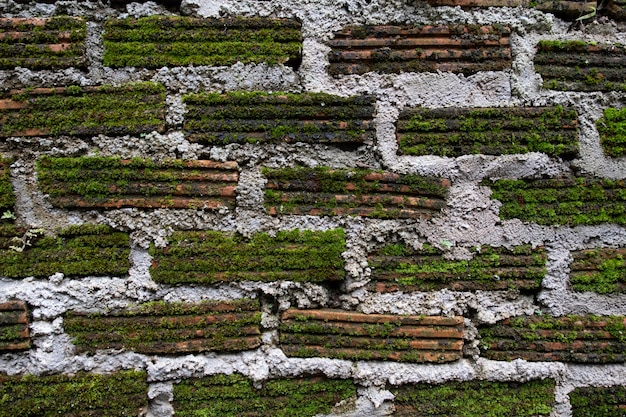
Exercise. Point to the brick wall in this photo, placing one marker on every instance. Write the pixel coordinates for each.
(279, 208)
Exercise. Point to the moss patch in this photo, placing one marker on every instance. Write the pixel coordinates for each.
(7, 197)
(612, 129)
(598, 402)
(599, 270)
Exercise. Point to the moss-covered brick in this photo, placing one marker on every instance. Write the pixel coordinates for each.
(397, 267)
(158, 41)
(612, 129)
(599, 270)
(616, 9)
(83, 111)
(37, 43)
(582, 339)
(581, 66)
(208, 257)
(323, 191)
(77, 251)
(598, 402)
(492, 131)
(355, 336)
(476, 399)
(169, 328)
(123, 393)
(235, 395)
(257, 117)
(110, 182)
(465, 49)
(7, 196)
(566, 201)
(14, 321)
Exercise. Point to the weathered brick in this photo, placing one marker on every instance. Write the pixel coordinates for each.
(123, 393)
(581, 66)
(7, 196)
(598, 402)
(583, 339)
(322, 191)
(235, 395)
(612, 129)
(158, 41)
(393, 49)
(39, 43)
(110, 182)
(356, 336)
(169, 328)
(14, 321)
(562, 8)
(257, 117)
(396, 267)
(475, 399)
(492, 131)
(599, 270)
(208, 257)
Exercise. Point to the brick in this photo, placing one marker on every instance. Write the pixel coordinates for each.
(566, 201)
(86, 111)
(394, 49)
(581, 66)
(355, 336)
(256, 117)
(322, 191)
(455, 131)
(616, 9)
(396, 267)
(110, 183)
(534, 398)
(157, 41)
(169, 328)
(561, 8)
(598, 401)
(209, 257)
(7, 196)
(14, 322)
(581, 339)
(123, 393)
(236, 395)
(612, 128)
(39, 43)
(599, 270)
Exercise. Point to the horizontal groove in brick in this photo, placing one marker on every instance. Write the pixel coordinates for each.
(582, 339)
(157, 41)
(397, 267)
(169, 328)
(475, 398)
(598, 401)
(355, 336)
(207, 257)
(565, 201)
(256, 117)
(581, 66)
(42, 43)
(612, 130)
(110, 182)
(123, 393)
(235, 394)
(14, 330)
(455, 132)
(598, 270)
(394, 49)
(322, 191)
(83, 111)
(76, 251)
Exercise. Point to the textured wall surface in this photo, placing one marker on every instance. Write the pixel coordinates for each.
(312, 207)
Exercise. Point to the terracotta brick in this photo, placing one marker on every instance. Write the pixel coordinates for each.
(14, 322)
(393, 49)
(326, 192)
(396, 267)
(109, 183)
(219, 119)
(598, 401)
(355, 336)
(157, 41)
(457, 131)
(561, 8)
(598, 270)
(582, 339)
(174, 328)
(42, 43)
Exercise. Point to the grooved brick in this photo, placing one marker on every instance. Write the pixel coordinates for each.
(599, 270)
(355, 336)
(392, 49)
(598, 401)
(563, 8)
(176, 328)
(492, 131)
(14, 331)
(256, 117)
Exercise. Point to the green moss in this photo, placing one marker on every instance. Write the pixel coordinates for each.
(7, 197)
(603, 272)
(612, 129)
(598, 401)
